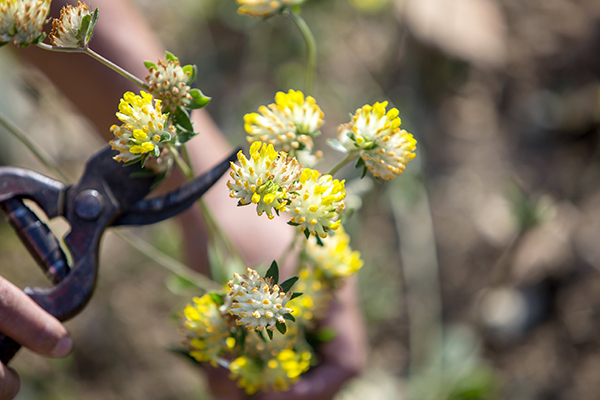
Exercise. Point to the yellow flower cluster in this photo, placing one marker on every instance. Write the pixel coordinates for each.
(334, 259)
(66, 28)
(207, 334)
(289, 124)
(315, 299)
(277, 373)
(264, 8)
(256, 302)
(264, 179)
(144, 128)
(22, 21)
(376, 135)
(316, 206)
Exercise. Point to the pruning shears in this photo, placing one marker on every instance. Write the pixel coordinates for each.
(107, 195)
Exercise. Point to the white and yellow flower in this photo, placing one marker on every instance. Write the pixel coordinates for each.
(144, 130)
(335, 258)
(66, 28)
(256, 302)
(207, 333)
(264, 8)
(274, 374)
(317, 205)
(264, 179)
(22, 21)
(289, 124)
(376, 135)
(169, 82)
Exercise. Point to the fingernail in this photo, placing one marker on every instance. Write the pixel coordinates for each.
(63, 347)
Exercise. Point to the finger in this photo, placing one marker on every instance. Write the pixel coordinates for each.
(320, 384)
(9, 383)
(24, 321)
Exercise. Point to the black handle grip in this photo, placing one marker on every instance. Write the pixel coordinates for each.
(8, 348)
(43, 246)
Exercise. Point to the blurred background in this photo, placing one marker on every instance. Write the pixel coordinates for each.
(481, 272)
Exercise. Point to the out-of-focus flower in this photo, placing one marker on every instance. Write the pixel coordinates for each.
(289, 124)
(206, 331)
(264, 179)
(22, 21)
(376, 135)
(315, 299)
(334, 259)
(66, 30)
(316, 206)
(144, 127)
(256, 302)
(264, 8)
(168, 81)
(277, 373)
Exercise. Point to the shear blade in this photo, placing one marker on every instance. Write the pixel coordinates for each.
(156, 209)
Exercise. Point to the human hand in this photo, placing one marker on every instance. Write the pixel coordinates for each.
(24, 321)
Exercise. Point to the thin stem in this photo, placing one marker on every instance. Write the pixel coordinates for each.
(168, 262)
(311, 48)
(180, 162)
(338, 166)
(34, 148)
(97, 57)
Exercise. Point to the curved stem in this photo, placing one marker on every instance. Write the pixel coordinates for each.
(338, 166)
(99, 58)
(311, 48)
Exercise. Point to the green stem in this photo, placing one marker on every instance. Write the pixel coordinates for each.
(338, 166)
(97, 57)
(168, 262)
(181, 164)
(311, 48)
(35, 149)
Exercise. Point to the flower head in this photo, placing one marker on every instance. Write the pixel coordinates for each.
(22, 21)
(168, 81)
(256, 302)
(334, 259)
(206, 331)
(67, 28)
(376, 135)
(264, 8)
(277, 373)
(264, 179)
(316, 206)
(289, 124)
(145, 128)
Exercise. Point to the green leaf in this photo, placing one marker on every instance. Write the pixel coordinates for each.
(199, 100)
(319, 241)
(281, 327)
(336, 145)
(270, 333)
(90, 30)
(273, 272)
(150, 64)
(38, 40)
(261, 335)
(83, 28)
(306, 233)
(294, 295)
(240, 204)
(216, 298)
(165, 137)
(242, 339)
(193, 70)
(287, 285)
(181, 119)
(184, 137)
(126, 163)
(169, 56)
(293, 223)
(364, 172)
(289, 317)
